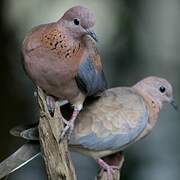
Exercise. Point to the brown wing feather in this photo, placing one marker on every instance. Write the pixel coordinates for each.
(117, 111)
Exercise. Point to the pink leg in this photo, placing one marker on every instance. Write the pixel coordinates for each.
(110, 169)
(70, 124)
(50, 101)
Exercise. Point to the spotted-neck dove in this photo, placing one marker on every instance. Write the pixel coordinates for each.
(62, 59)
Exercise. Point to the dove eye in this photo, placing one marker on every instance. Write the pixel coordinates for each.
(162, 89)
(76, 21)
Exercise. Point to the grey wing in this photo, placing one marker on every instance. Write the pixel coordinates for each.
(118, 120)
(90, 79)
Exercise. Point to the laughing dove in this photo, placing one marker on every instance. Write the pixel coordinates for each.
(117, 119)
(62, 60)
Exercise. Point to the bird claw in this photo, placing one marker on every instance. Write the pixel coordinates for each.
(50, 101)
(69, 124)
(110, 169)
(68, 129)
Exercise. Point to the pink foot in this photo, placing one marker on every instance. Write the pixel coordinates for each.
(110, 169)
(69, 124)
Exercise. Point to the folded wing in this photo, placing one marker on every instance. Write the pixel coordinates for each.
(111, 122)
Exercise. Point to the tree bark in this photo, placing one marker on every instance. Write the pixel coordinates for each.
(56, 155)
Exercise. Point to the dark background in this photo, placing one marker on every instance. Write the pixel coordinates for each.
(137, 39)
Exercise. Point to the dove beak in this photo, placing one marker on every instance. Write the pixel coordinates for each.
(173, 103)
(91, 33)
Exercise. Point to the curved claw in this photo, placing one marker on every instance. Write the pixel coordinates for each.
(110, 169)
(50, 101)
(68, 129)
(69, 125)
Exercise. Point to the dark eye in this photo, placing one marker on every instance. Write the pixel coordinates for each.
(76, 21)
(162, 89)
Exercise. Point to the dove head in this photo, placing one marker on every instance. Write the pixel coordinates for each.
(78, 22)
(157, 89)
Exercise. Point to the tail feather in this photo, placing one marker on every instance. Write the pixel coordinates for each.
(22, 156)
(17, 130)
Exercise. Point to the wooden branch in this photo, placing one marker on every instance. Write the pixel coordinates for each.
(56, 155)
(116, 160)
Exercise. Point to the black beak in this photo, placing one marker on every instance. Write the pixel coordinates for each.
(92, 34)
(174, 105)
